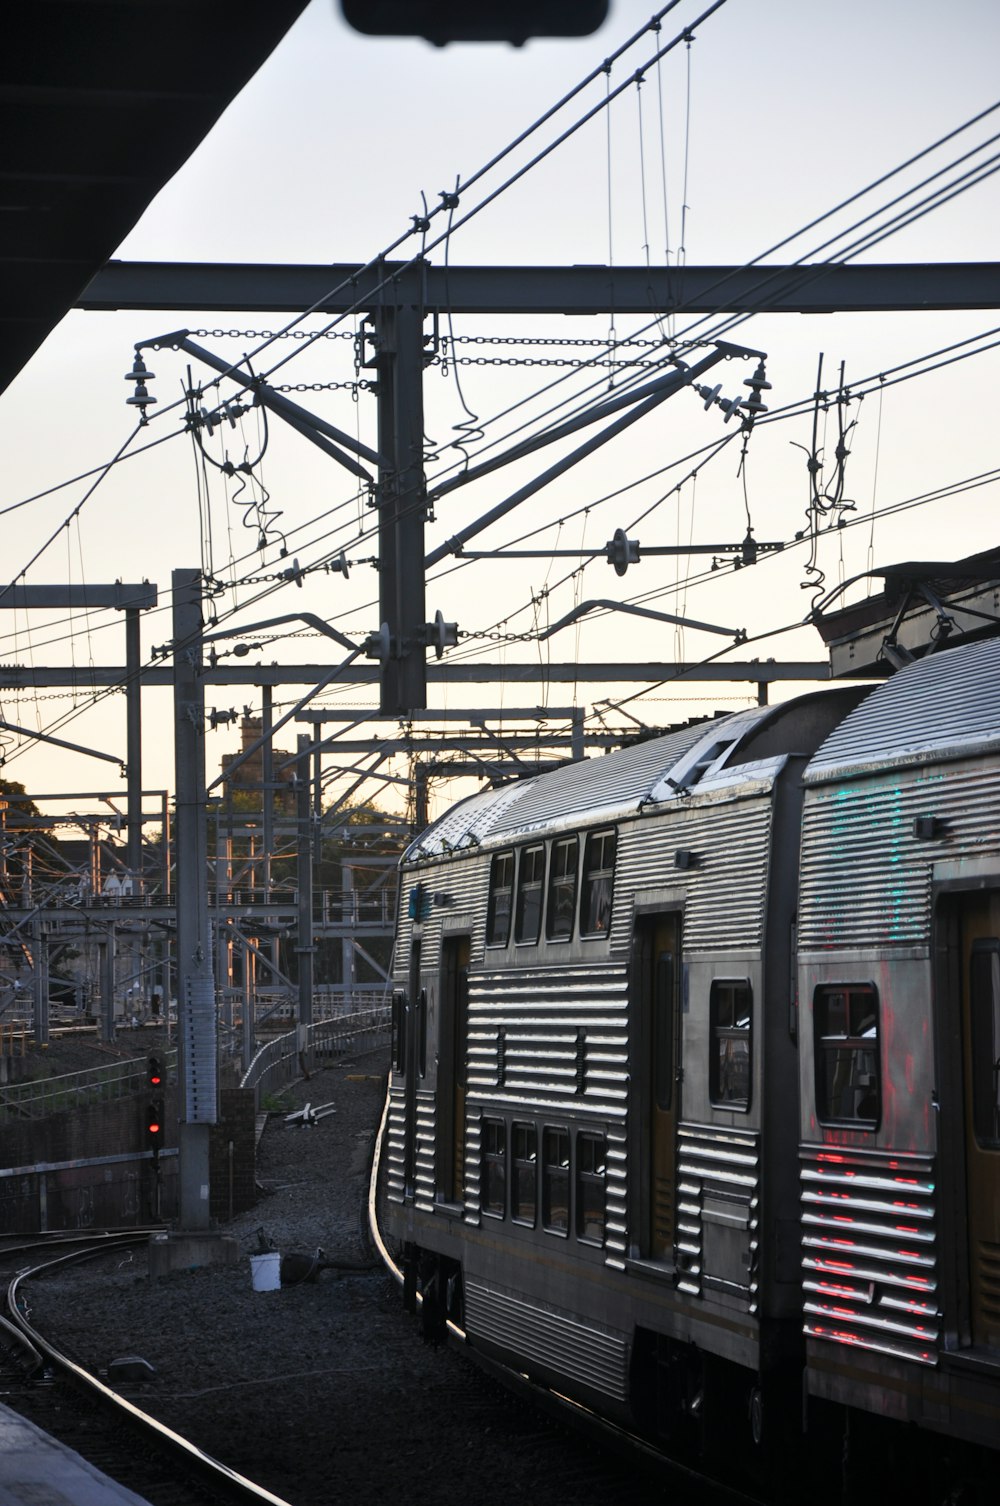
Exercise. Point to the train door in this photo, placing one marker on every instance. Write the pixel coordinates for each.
(656, 969)
(981, 1063)
(452, 1079)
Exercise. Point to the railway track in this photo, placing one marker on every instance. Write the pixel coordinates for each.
(321, 1392)
(80, 1409)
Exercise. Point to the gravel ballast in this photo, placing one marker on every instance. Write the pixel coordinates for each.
(324, 1391)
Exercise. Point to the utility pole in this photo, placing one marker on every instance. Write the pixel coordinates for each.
(197, 1031)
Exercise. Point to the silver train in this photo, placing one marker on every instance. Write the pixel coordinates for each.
(695, 1098)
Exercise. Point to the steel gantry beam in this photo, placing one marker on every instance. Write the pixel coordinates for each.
(817, 288)
(396, 297)
(130, 598)
(468, 672)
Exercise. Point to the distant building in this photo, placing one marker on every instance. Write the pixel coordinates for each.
(249, 777)
(94, 866)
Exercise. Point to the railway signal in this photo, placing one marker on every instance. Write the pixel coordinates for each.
(154, 1072)
(154, 1127)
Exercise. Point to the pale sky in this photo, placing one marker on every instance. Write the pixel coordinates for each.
(792, 108)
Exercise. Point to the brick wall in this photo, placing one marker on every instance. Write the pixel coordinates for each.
(119, 1193)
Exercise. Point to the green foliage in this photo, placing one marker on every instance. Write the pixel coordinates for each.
(276, 1103)
(20, 808)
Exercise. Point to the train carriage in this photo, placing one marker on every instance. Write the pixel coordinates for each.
(695, 1100)
(594, 1080)
(899, 966)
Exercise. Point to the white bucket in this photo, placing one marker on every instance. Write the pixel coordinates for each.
(265, 1272)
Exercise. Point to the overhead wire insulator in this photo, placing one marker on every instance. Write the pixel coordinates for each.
(622, 551)
(440, 635)
(757, 383)
(140, 376)
(140, 399)
(139, 372)
(379, 645)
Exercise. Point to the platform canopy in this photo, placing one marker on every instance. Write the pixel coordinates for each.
(101, 102)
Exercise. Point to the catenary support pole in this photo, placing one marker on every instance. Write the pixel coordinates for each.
(305, 948)
(40, 961)
(197, 1032)
(402, 502)
(133, 745)
(107, 955)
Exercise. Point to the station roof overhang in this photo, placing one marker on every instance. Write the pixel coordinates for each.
(101, 102)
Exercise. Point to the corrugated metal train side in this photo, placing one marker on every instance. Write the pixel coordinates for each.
(693, 1105)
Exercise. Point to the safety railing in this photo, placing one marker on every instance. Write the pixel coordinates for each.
(49, 1095)
(284, 1058)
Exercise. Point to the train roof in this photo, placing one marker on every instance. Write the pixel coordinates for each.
(730, 750)
(943, 707)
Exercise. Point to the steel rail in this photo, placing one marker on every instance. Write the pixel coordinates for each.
(221, 1475)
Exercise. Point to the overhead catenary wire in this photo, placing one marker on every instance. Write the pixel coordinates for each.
(279, 585)
(892, 375)
(909, 161)
(419, 223)
(901, 372)
(778, 245)
(731, 321)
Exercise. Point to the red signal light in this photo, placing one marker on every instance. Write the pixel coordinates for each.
(154, 1127)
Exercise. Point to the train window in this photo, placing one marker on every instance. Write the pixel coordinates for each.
(398, 1030)
(501, 896)
(598, 883)
(493, 1188)
(984, 1004)
(524, 1173)
(555, 1180)
(562, 888)
(421, 1027)
(530, 882)
(730, 1016)
(591, 1177)
(845, 1028)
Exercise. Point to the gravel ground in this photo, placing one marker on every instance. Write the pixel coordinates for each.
(324, 1392)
